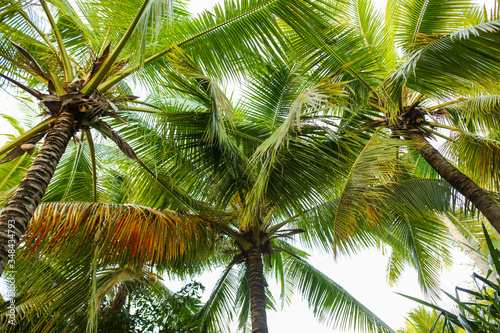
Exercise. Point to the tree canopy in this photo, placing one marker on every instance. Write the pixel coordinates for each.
(325, 144)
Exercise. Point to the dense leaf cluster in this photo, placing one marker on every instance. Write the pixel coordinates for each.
(325, 144)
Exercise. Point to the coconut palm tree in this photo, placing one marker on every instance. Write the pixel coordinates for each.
(74, 59)
(410, 69)
(418, 245)
(278, 164)
(281, 164)
(256, 172)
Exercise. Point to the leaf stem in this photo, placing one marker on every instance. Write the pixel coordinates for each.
(90, 141)
(68, 69)
(112, 81)
(94, 82)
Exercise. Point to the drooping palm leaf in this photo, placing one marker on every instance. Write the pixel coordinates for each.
(482, 153)
(218, 309)
(128, 234)
(419, 21)
(455, 61)
(330, 303)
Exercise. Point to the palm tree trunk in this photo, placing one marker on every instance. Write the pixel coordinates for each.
(458, 180)
(257, 291)
(121, 297)
(29, 193)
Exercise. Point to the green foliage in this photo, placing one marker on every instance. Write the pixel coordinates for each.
(149, 309)
(64, 270)
(154, 311)
(289, 155)
(331, 304)
(478, 311)
(421, 320)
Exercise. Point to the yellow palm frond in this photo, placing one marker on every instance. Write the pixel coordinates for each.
(125, 234)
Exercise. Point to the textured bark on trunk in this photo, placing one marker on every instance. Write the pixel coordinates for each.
(459, 181)
(257, 291)
(30, 191)
(120, 298)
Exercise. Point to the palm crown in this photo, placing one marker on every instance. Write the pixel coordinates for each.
(82, 64)
(415, 67)
(277, 162)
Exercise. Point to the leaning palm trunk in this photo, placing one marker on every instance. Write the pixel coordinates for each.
(257, 291)
(459, 181)
(16, 216)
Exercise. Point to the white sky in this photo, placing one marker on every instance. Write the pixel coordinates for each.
(363, 275)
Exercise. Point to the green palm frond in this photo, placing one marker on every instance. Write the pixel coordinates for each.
(358, 195)
(421, 320)
(475, 114)
(148, 10)
(12, 173)
(247, 26)
(482, 162)
(306, 103)
(469, 227)
(424, 244)
(207, 92)
(415, 196)
(330, 303)
(242, 300)
(403, 218)
(419, 167)
(374, 35)
(455, 61)
(23, 26)
(270, 152)
(15, 123)
(72, 180)
(420, 21)
(147, 138)
(476, 308)
(56, 296)
(218, 309)
(173, 148)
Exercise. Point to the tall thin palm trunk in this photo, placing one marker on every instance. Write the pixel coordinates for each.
(475, 194)
(257, 291)
(30, 191)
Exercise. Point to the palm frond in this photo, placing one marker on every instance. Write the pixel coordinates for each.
(218, 309)
(375, 36)
(423, 244)
(127, 234)
(483, 156)
(454, 61)
(419, 21)
(56, 295)
(475, 114)
(72, 180)
(330, 303)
